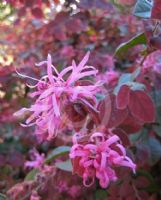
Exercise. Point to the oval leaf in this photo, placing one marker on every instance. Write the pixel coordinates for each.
(141, 106)
(156, 11)
(143, 8)
(117, 116)
(131, 125)
(59, 151)
(65, 165)
(138, 39)
(37, 12)
(122, 98)
(31, 175)
(3, 197)
(155, 149)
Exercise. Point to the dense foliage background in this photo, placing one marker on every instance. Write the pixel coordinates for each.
(124, 38)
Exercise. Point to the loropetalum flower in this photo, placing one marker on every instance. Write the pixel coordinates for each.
(54, 90)
(98, 158)
(37, 160)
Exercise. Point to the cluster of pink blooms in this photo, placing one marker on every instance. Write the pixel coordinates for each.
(54, 91)
(98, 158)
(37, 160)
(153, 62)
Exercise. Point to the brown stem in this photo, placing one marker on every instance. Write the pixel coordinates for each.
(136, 192)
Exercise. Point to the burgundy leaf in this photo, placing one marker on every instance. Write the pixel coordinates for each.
(117, 116)
(37, 12)
(75, 26)
(156, 10)
(122, 98)
(141, 106)
(122, 135)
(22, 12)
(155, 41)
(104, 109)
(59, 33)
(29, 3)
(2, 160)
(131, 125)
(148, 29)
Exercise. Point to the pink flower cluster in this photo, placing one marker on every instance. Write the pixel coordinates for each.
(98, 158)
(54, 90)
(37, 160)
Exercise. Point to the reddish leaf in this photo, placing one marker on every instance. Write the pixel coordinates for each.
(117, 116)
(75, 25)
(91, 111)
(148, 29)
(76, 115)
(125, 190)
(2, 160)
(142, 154)
(22, 12)
(29, 3)
(75, 112)
(156, 10)
(156, 41)
(104, 109)
(131, 125)
(37, 12)
(122, 98)
(141, 106)
(142, 182)
(122, 135)
(56, 1)
(59, 33)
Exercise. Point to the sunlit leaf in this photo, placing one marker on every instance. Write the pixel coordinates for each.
(124, 47)
(143, 8)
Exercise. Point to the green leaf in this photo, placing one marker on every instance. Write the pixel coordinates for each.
(138, 39)
(136, 73)
(143, 8)
(141, 172)
(129, 77)
(3, 197)
(141, 135)
(137, 86)
(157, 129)
(124, 78)
(65, 165)
(129, 80)
(100, 96)
(100, 194)
(155, 147)
(31, 175)
(59, 151)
